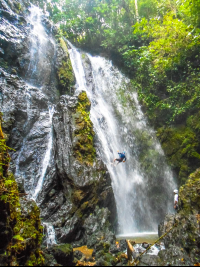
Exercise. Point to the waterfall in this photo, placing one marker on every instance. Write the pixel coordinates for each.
(28, 111)
(37, 75)
(51, 236)
(39, 40)
(46, 158)
(119, 127)
(42, 47)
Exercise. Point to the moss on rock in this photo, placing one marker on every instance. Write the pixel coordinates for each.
(181, 146)
(64, 254)
(65, 71)
(21, 230)
(184, 237)
(83, 146)
(189, 195)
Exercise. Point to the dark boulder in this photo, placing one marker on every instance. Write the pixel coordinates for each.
(63, 254)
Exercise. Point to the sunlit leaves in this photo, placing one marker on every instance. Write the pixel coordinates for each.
(18, 237)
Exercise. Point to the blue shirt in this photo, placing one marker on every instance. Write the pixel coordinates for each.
(122, 156)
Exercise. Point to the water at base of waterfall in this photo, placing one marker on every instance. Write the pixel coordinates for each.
(141, 239)
(153, 251)
(149, 237)
(117, 127)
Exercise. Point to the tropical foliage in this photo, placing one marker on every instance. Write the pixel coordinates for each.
(159, 50)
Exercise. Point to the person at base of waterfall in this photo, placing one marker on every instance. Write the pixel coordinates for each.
(176, 199)
(122, 157)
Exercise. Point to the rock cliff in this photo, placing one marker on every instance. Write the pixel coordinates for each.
(182, 243)
(37, 83)
(21, 230)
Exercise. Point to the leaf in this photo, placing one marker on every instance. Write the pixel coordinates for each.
(3, 198)
(18, 237)
(8, 182)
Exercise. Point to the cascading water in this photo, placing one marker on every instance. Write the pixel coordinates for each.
(120, 126)
(39, 60)
(39, 54)
(51, 236)
(38, 39)
(46, 158)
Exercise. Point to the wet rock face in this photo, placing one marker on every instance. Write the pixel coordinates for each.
(149, 260)
(66, 78)
(76, 196)
(182, 243)
(26, 122)
(28, 49)
(20, 225)
(82, 206)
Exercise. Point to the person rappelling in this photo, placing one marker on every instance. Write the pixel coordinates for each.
(122, 158)
(176, 200)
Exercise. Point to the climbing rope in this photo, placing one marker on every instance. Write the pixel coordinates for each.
(136, 261)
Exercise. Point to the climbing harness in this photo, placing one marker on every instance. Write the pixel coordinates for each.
(136, 261)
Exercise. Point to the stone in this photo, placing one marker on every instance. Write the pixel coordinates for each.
(149, 260)
(182, 241)
(63, 254)
(145, 245)
(174, 256)
(20, 183)
(78, 255)
(52, 193)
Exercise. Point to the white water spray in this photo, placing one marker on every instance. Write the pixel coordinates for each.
(112, 123)
(46, 157)
(51, 236)
(42, 47)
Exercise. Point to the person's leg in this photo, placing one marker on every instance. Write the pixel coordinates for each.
(119, 161)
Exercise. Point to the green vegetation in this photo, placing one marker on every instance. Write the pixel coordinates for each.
(190, 195)
(157, 43)
(77, 196)
(65, 248)
(83, 147)
(21, 233)
(65, 71)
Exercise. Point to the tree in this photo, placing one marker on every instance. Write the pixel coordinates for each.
(136, 9)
